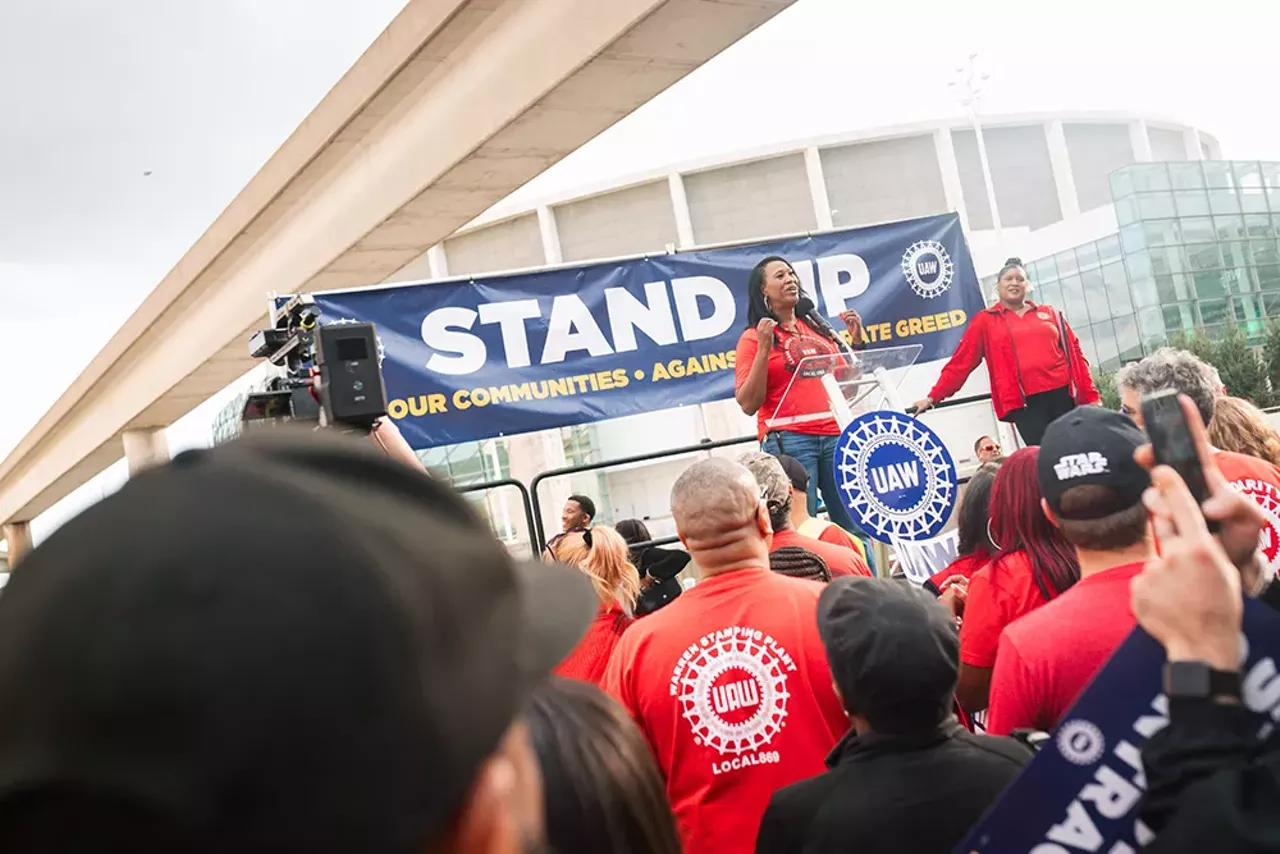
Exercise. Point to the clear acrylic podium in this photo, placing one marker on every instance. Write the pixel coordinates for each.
(853, 383)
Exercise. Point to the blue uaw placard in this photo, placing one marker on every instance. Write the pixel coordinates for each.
(895, 476)
(1082, 790)
(501, 354)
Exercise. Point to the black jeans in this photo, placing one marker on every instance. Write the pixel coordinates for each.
(1041, 409)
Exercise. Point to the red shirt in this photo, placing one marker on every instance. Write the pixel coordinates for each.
(807, 395)
(965, 565)
(1048, 657)
(730, 686)
(587, 661)
(1024, 356)
(841, 560)
(1260, 480)
(999, 593)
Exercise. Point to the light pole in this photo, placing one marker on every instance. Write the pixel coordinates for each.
(967, 87)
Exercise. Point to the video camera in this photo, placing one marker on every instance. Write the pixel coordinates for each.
(329, 373)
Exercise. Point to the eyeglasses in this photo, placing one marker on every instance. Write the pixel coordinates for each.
(989, 448)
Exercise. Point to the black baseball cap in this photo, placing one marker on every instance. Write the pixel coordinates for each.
(894, 651)
(796, 473)
(288, 644)
(1092, 446)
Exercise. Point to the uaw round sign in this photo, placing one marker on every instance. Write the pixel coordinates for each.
(896, 477)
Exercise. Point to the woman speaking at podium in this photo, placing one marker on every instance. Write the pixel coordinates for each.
(783, 328)
(1038, 371)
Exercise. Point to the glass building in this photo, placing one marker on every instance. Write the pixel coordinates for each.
(1197, 248)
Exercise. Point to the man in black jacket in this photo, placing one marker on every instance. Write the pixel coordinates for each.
(908, 778)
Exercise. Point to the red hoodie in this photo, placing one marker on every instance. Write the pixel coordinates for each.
(1024, 356)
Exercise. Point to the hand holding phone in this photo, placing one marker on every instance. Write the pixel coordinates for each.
(1172, 441)
(1237, 520)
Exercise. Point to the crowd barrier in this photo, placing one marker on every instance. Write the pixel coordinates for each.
(532, 504)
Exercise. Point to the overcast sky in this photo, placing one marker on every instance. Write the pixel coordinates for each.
(97, 94)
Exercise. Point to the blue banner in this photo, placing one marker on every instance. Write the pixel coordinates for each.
(1082, 790)
(496, 355)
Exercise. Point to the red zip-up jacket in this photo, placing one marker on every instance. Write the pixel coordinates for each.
(988, 336)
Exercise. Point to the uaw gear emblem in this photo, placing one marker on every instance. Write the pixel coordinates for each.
(895, 476)
(1267, 497)
(732, 689)
(928, 268)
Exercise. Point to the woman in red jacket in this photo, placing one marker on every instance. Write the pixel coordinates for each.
(1038, 371)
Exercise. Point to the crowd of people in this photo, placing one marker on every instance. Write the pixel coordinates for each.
(292, 643)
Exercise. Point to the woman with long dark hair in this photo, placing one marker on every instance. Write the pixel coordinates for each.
(974, 548)
(1038, 371)
(1033, 564)
(769, 353)
(658, 567)
(603, 791)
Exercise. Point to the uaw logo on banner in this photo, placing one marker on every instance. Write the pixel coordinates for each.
(928, 268)
(732, 689)
(1082, 791)
(896, 477)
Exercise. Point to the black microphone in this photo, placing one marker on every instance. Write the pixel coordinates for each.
(806, 309)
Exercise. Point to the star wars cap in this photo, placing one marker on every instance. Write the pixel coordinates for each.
(285, 644)
(1092, 446)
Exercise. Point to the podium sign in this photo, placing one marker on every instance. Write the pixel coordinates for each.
(895, 476)
(1081, 792)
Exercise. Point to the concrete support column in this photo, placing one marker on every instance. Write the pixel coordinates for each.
(530, 454)
(949, 167)
(818, 189)
(1191, 141)
(680, 206)
(145, 448)
(1060, 163)
(550, 235)
(17, 536)
(438, 262)
(1140, 141)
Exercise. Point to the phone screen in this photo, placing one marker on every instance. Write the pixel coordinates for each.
(1171, 440)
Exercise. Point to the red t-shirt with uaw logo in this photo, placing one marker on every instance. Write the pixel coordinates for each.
(730, 685)
(807, 395)
(1260, 480)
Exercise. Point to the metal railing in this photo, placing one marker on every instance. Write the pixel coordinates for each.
(525, 501)
(540, 534)
(533, 503)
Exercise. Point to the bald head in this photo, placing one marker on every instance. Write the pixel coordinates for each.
(719, 516)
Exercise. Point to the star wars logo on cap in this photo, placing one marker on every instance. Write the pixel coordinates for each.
(1080, 465)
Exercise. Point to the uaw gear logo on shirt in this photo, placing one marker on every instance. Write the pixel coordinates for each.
(928, 268)
(895, 476)
(732, 688)
(796, 348)
(1268, 498)
(1080, 465)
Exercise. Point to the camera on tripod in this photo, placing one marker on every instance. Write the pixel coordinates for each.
(328, 373)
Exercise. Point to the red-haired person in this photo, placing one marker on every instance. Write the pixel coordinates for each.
(601, 554)
(1033, 564)
(1038, 371)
